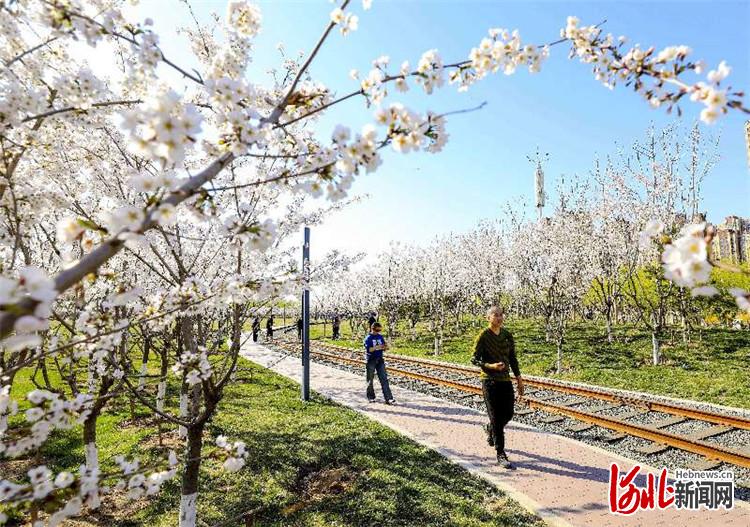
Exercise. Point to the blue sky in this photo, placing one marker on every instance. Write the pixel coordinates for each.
(562, 109)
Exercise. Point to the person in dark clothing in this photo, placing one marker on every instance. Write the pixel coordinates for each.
(494, 352)
(336, 327)
(256, 329)
(371, 321)
(299, 329)
(374, 346)
(269, 328)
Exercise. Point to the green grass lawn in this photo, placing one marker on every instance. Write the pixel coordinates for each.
(715, 369)
(310, 464)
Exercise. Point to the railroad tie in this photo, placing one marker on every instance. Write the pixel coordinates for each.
(553, 419)
(704, 464)
(652, 448)
(612, 437)
(655, 447)
(580, 427)
(603, 407)
(616, 436)
(574, 403)
(547, 397)
(669, 421)
(632, 413)
(709, 432)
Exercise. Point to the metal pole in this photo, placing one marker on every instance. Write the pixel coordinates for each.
(306, 317)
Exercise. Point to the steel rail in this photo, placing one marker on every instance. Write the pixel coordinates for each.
(735, 421)
(696, 446)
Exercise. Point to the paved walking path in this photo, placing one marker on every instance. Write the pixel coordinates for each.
(564, 481)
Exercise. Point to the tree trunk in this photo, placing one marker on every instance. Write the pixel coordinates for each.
(183, 330)
(616, 311)
(3, 420)
(608, 316)
(685, 328)
(559, 353)
(655, 348)
(144, 363)
(194, 433)
(161, 389)
(92, 453)
(89, 440)
(438, 345)
(548, 328)
(4, 411)
(183, 431)
(189, 492)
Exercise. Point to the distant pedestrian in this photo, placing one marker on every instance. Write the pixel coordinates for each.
(299, 329)
(371, 320)
(494, 351)
(269, 328)
(374, 346)
(256, 329)
(336, 327)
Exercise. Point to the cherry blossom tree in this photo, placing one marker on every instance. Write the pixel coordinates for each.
(551, 262)
(138, 207)
(651, 185)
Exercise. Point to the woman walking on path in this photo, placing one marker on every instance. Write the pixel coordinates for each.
(494, 351)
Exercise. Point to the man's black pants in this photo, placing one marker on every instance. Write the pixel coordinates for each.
(499, 399)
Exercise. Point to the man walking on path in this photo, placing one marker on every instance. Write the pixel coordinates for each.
(374, 346)
(269, 328)
(494, 351)
(299, 329)
(336, 327)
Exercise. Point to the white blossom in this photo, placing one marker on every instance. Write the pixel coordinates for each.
(243, 18)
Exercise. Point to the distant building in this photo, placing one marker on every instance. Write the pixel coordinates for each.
(732, 240)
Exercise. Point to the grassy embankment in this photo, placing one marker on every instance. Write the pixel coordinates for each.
(311, 464)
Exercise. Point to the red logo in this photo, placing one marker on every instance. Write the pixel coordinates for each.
(626, 498)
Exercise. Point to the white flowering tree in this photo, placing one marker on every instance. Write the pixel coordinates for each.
(552, 262)
(410, 302)
(484, 253)
(137, 207)
(614, 238)
(650, 185)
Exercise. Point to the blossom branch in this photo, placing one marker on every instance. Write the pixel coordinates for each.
(74, 109)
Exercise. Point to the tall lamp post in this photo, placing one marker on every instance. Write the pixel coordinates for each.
(540, 196)
(306, 316)
(539, 188)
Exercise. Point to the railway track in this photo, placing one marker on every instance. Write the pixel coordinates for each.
(656, 422)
